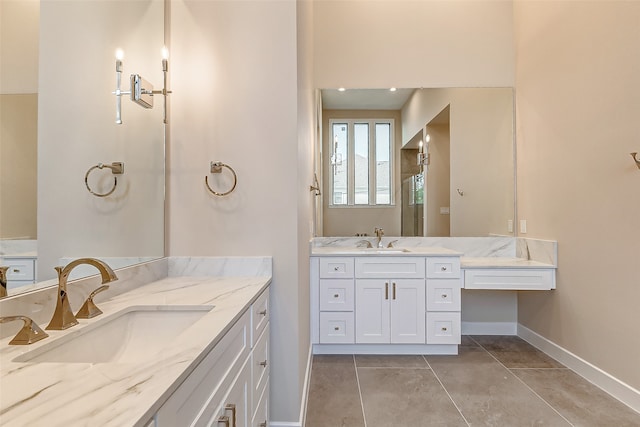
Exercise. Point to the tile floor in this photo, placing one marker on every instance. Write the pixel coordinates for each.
(493, 381)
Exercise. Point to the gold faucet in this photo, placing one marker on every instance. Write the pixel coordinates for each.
(63, 317)
(29, 333)
(379, 233)
(3, 281)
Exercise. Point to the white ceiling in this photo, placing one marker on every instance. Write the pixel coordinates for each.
(365, 99)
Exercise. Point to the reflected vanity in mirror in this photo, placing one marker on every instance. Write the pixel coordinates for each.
(372, 178)
(58, 76)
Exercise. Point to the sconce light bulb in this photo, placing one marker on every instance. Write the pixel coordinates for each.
(165, 53)
(119, 54)
(420, 146)
(428, 138)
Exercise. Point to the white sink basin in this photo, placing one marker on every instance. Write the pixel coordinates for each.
(385, 250)
(131, 335)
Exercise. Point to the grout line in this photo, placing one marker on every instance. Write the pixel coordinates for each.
(541, 369)
(446, 391)
(526, 385)
(355, 367)
(394, 367)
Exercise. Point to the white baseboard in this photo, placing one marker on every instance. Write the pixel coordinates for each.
(489, 328)
(305, 394)
(618, 389)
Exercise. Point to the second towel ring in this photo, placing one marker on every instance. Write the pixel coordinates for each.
(117, 168)
(216, 167)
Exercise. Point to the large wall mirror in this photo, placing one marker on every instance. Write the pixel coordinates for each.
(58, 120)
(368, 164)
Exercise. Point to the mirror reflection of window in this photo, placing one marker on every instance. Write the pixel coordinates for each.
(362, 162)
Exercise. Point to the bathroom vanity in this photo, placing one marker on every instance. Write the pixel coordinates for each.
(407, 299)
(202, 360)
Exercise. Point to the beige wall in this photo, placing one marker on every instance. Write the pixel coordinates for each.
(77, 130)
(19, 46)
(399, 43)
(18, 160)
(481, 153)
(578, 92)
(349, 221)
(242, 95)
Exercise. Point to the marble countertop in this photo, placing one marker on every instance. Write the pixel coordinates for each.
(501, 262)
(122, 394)
(399, 251)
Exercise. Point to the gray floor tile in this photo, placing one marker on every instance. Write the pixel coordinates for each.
(391, 361)
(467, 341)
(578, 400)
(488, 394)
(514, 352)
(334, 399)
(400, 397)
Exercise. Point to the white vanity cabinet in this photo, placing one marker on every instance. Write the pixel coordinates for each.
(381, 304)
(229, 387)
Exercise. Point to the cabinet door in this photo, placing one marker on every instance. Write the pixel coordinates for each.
(407, 311)
(372, 311)
(236, 405)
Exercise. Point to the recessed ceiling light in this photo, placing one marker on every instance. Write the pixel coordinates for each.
(341, 89)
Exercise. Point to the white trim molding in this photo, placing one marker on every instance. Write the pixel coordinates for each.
(616, 388)
(305, 396)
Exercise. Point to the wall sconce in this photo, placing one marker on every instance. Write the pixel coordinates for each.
(423, 157)
(141, 91)
(636, 159)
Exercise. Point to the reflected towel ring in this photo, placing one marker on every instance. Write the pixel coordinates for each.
(117, 168)
(216, 167)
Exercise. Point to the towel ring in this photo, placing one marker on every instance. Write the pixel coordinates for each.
(216, 167)
(117, 168)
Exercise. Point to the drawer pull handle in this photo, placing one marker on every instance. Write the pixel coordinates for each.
(232, 407)
(443, 268)
(263, 364)
(263, 312)
(16, 270)
(224, 420)
(386, 290)
(337, 328)
(444, 329)
(336, 295)
(394, 290)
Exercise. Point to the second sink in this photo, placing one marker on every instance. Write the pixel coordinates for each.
(131, 335)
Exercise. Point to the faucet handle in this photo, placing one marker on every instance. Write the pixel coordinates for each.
(89, 309)
(29, 333)
(391, 243)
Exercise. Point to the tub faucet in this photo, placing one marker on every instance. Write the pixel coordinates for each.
(379, 233)
(63, 317)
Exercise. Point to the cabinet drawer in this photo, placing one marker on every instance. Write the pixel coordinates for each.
(443, 267)
(336, 268)
(260, 367)
(337, 328)
(383, 267)
(336, 295)
(22, 269)
(510, 279)
(210, 380)
(261, 417)
(443, 328)
(259, 315)
(443, 294)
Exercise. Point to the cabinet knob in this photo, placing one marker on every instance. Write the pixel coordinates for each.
(444, 329)
(336, 268)
(444, 295)
(443, 268)
(263, 364)
(263, 312)
(337, 328)
(16, 270)
(224, 420)
(336, 295)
